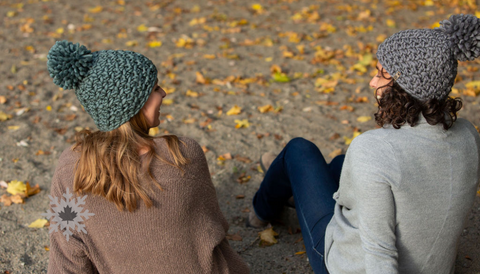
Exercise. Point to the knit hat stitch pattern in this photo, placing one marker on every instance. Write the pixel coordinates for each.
(112, 85)
(422, 60)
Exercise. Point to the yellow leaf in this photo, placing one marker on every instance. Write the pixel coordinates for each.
(153, 131)
(13, 127)
(155, 44)
(11, 13)
(191, 93)
(235, 110)
(39, 223)
(349, 140)
(167, 102)
(363, 119)
(242, 123)
(131, 43)
(142, 28)
(49, 108)
(209, 56)
(96, 9)
(16, 187)
(4, 116)
(381, 38)
(60, 30)
(267, 237)
(268, 59)
(265, 108)
(435, 25)
(169, 90)
(390, 23)
(428, 3)
(473, 84)
(335, 153)
(300, 252)
(477, 13)
(257, 7)
(200, 78)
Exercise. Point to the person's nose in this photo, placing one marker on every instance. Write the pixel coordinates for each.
(373, 82)
(163, 93)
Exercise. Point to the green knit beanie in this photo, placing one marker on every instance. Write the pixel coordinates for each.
(112, 85)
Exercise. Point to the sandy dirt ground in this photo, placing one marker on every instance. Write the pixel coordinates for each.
(296, 68)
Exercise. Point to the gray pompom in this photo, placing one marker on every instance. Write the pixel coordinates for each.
(68, 63)
(464, 33)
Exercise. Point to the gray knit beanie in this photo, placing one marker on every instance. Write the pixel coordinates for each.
(112, 85)
(424, 61)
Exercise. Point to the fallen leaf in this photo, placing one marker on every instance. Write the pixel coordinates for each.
(131, 43)
(200, 78)
(3, 100)
(363, 119)
(245, 160)
(243, 178)
(39, 223)
(167, 102)
(191, 93)
(3, 184)
(235, 110)
(240, 196)
(153, 131)
(226, 156)
(142, 28)
(349, 140)
(209, 56)
(265, 108)
(267, 237)
(300, 252)
(234, 237)
(335, 153)
(242, 123)
(280, 77)
(96, 9)
(154, 44)
(16, 187)
(4, 116)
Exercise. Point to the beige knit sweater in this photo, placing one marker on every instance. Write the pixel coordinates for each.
(183, 232)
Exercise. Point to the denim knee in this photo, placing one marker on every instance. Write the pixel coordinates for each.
(300, 144)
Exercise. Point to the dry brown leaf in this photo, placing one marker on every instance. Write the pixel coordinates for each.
(200, 78)
(335, 153)
(243, 159)
(30, 191)
(226, 156)
(240, 196)
(3, 100)
(234, 237)
(267, 237)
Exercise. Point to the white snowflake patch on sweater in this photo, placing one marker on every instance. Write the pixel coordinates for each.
(67, 214)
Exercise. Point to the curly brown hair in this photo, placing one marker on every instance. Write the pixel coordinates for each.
(397, 107)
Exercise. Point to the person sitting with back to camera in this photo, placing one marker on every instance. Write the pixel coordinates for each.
(155, 207)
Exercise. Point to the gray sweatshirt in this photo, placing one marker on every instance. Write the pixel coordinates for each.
(403, 198)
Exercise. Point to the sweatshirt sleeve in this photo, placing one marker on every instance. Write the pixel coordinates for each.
(66, 256)
(374, 173)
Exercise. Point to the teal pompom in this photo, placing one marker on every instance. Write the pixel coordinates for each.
(68, 63)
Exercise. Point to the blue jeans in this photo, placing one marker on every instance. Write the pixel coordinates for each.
(301, 171)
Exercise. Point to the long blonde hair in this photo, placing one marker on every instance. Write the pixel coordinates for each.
(110, 166)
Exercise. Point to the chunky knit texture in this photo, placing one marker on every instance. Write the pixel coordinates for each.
(183, 232)
(112, 85)
(424, 61)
